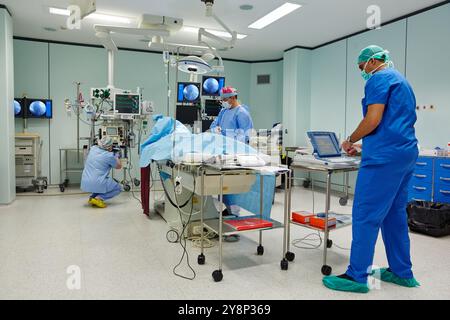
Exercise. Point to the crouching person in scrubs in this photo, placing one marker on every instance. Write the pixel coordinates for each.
(389, 154)
(234, 121)
(99, 163)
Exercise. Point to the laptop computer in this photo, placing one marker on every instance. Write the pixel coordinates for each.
(327, 148)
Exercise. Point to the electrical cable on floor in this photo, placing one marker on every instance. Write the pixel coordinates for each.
(207, 240)
(306, 241)
(131, 181)
(168, 196)
(183, 239)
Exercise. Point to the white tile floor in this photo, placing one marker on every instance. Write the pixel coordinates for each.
(124, 255)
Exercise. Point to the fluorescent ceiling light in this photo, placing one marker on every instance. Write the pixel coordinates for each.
(96, 16)
(58, 11)
(214, 32)
(276, 14)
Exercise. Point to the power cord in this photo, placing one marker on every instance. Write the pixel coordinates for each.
(207, 240)
(183, 240)
(308, 241)
(131, 180)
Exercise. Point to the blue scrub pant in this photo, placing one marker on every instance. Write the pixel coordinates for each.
(381, 198)
(110, 194)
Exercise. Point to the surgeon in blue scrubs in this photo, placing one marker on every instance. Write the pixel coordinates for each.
(95, 179)
(389, 154)
(234, 119)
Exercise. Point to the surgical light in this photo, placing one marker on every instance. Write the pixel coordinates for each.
(194, 65)
(275, 15)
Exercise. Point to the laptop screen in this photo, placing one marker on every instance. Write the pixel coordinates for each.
(325, 144)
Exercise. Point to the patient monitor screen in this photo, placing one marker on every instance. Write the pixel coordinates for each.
(325, 145)
(127, 103)
(112, 131)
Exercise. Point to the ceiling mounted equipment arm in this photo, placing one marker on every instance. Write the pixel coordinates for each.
(227, 44)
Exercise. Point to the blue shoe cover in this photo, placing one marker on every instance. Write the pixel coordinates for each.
(387, 276)
(340, 284)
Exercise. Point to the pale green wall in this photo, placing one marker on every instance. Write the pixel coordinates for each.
(296, 96)
(428, 71)
(266, 101)
(48, 70)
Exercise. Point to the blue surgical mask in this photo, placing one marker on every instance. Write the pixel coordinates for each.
(367, 75)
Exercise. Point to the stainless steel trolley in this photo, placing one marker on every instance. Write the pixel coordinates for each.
(219, 227)
(71, 161)
(290, 256)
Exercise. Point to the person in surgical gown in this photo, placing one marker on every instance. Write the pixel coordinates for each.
(234, 119)
(99, 163)
(389, 154)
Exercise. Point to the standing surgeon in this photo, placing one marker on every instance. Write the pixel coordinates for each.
(389, 154)
(99, 163)
(234, 119)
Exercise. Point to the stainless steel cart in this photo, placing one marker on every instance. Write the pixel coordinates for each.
(71, 161)
(222, 229)
(290, 256)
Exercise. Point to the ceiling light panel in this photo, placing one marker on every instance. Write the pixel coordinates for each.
(275, 15)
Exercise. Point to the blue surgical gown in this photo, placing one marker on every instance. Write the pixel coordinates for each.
(388, 160)
(98, 164)
(234, 123)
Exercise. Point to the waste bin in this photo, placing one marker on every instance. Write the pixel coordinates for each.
(429, 218)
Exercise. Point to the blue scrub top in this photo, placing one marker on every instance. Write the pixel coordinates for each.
(234, 122)
(98, 164)
(395, 135)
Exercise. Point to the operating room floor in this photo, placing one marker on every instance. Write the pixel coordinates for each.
(122, 254)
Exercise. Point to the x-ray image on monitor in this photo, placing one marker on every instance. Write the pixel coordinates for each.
(18, 108)
(188, 92)
(39, 108)
(211, 86)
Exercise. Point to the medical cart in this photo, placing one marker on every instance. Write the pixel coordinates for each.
(309, 180)
(213, 180)
(310, 168)
(71, 165)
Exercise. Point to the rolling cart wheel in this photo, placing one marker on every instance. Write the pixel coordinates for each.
(329, 243)
(127, 187)
(61, 187)
(290, 256)
(284, 264)
(172, 236)
(217, 275)
(260, 250)
(201, 259)
(136, 182)
(326, 270)
(306, 184)
(343, 201)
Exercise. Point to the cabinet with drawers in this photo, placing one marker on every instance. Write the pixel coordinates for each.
(431, 180)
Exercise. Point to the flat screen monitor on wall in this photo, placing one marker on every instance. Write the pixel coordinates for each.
(18, 106)
(188, 92)
(211, 86)
(39, 108)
